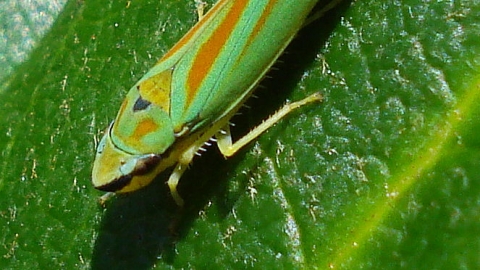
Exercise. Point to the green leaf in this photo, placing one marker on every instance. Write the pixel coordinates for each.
(383, 174)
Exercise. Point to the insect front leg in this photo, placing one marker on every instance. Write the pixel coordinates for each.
(105, 197)
(183, 161)
(173, 182)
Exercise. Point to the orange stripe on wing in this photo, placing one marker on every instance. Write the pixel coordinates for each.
(211, 48)
(261, 22)
(186, 39)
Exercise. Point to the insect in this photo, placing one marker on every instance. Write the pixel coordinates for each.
(189, 96)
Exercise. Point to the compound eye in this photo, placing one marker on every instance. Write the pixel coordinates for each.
(146, 164)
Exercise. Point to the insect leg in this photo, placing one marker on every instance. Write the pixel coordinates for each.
(224, 140)
(200, 5)
(183, 161)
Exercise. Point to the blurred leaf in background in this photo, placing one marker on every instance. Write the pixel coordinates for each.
(383, 174)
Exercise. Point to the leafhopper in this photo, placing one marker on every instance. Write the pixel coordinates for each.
(189, 96)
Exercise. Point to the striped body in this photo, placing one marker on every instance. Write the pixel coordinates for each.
(192, 92)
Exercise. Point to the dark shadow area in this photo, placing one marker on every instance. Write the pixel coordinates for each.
(140, 229)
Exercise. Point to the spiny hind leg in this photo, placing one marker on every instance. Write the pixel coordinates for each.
(224, 139)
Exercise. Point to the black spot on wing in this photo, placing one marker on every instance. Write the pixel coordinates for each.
(141, 104)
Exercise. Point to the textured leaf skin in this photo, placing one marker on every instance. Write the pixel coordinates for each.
(383, 174)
